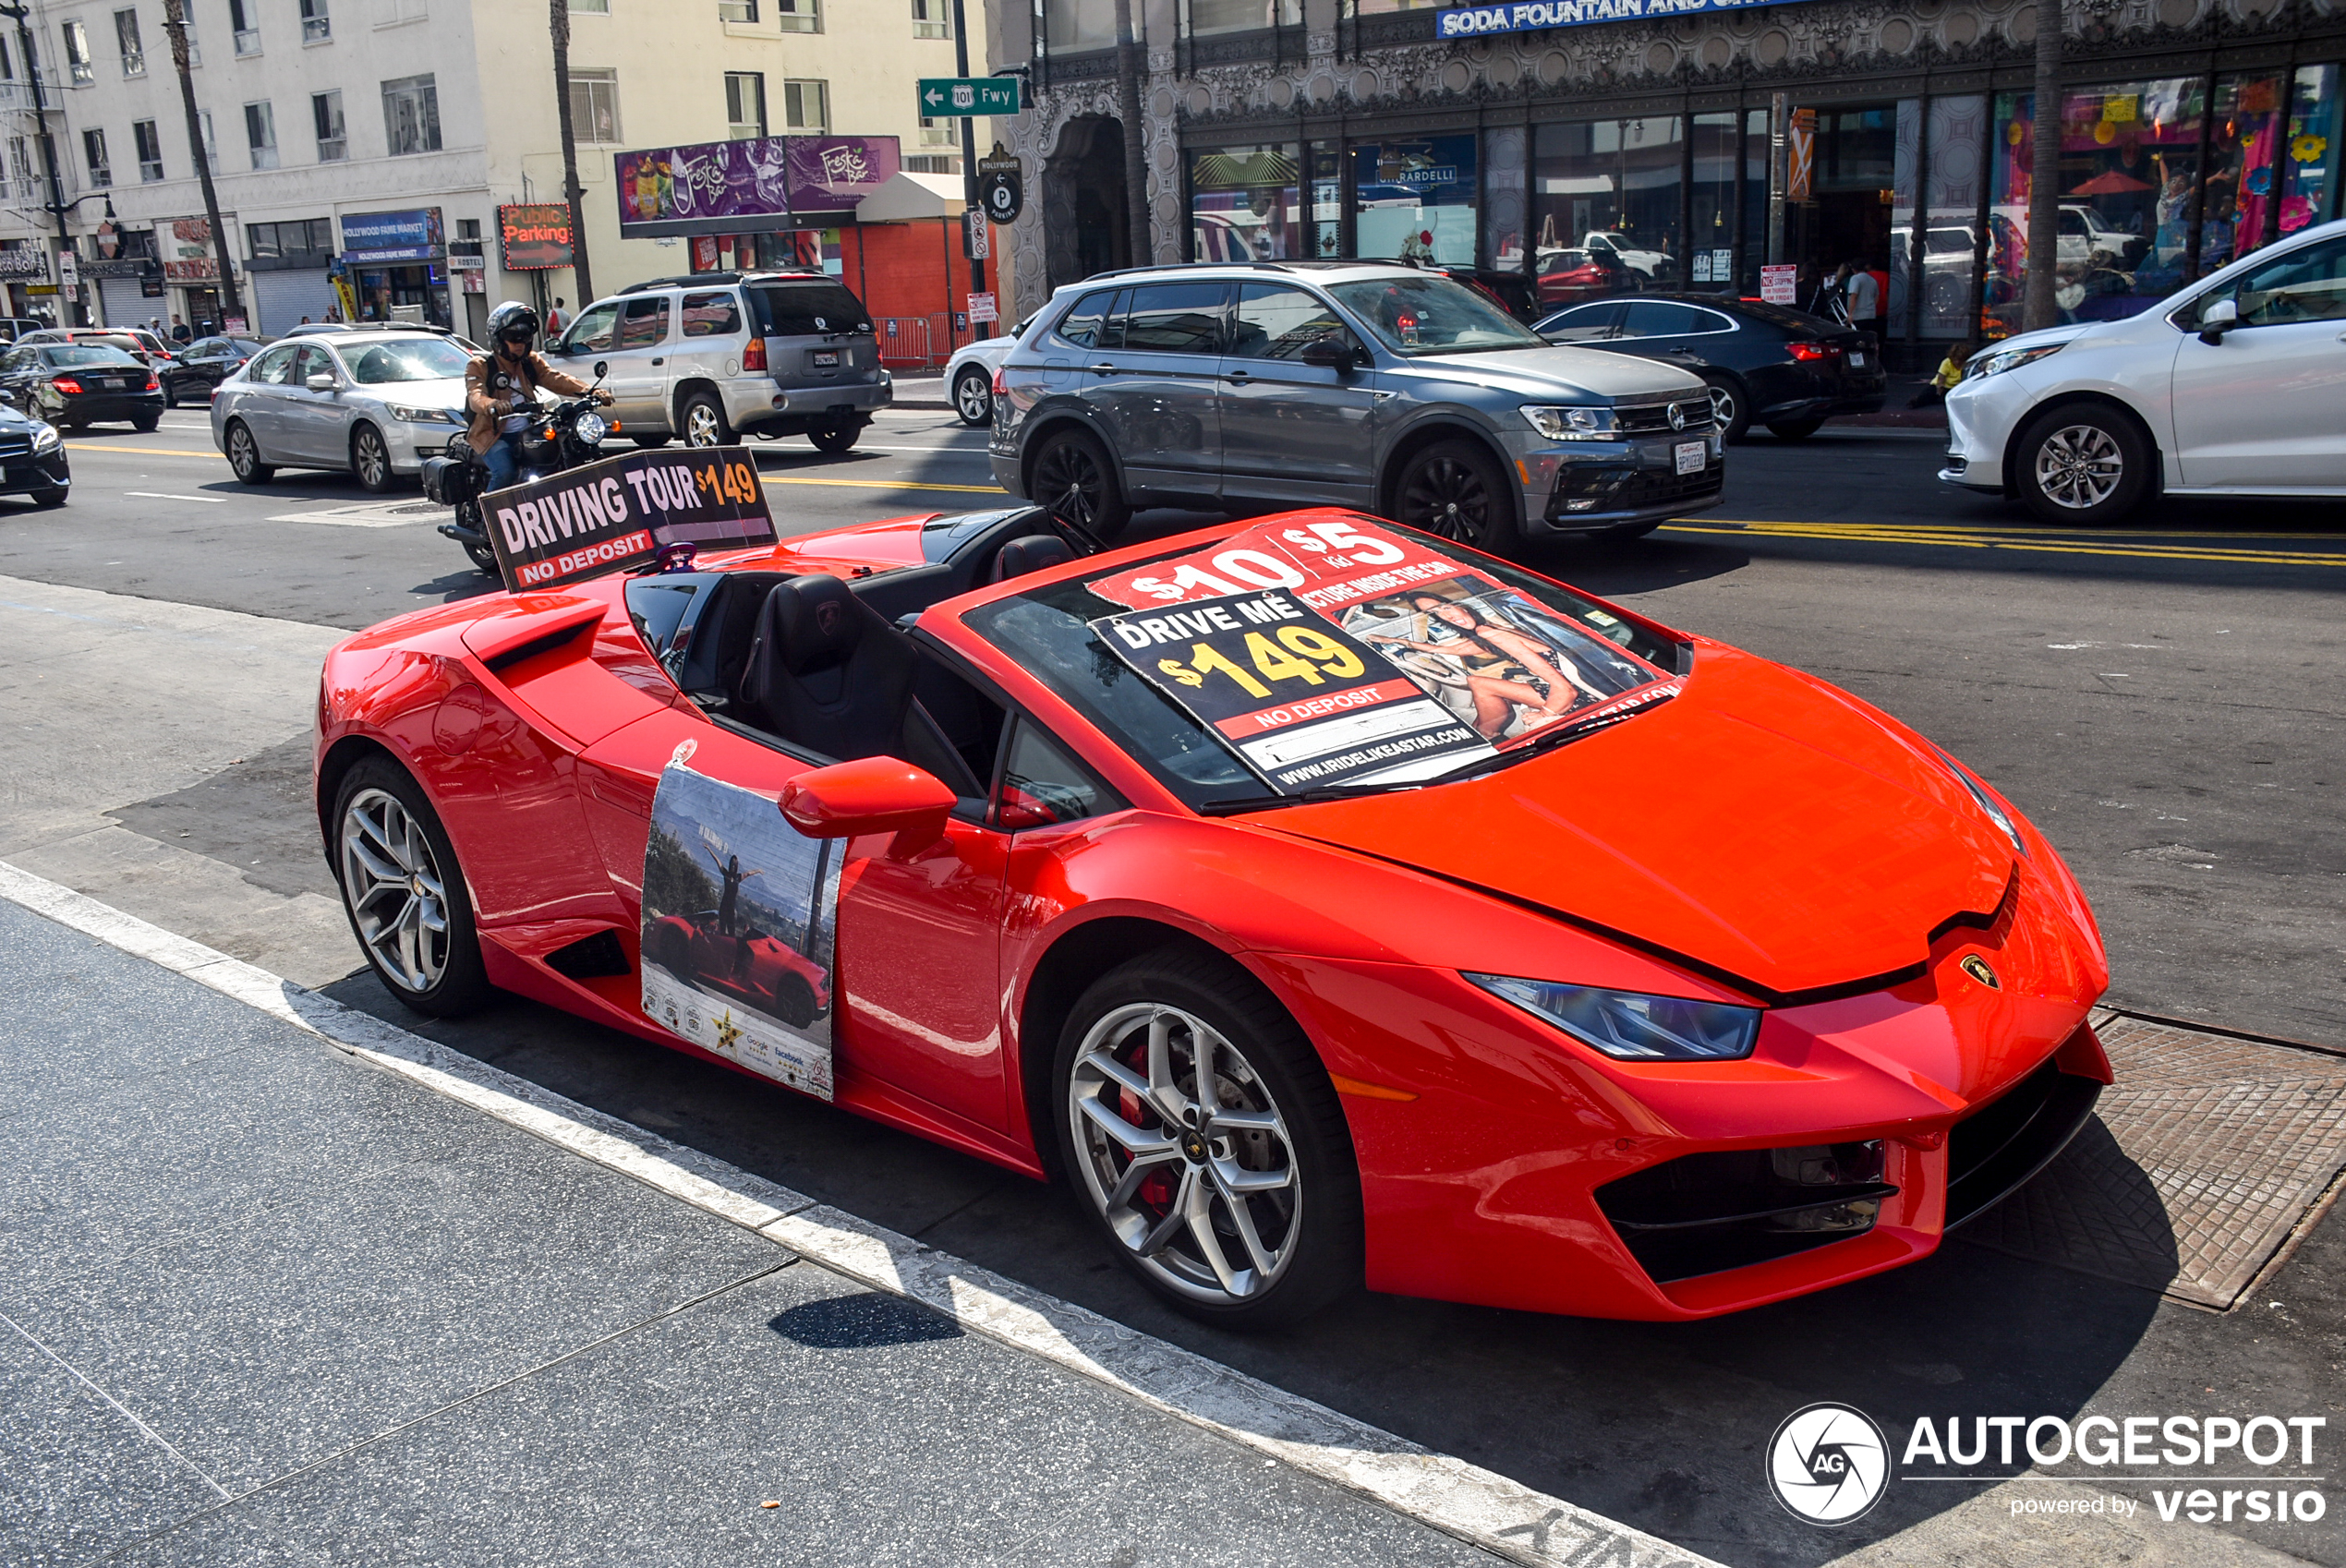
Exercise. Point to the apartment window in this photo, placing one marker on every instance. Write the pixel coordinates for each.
(932, 19)
(411, 114)
(594, 104)
(325, 118)
(7, 63)
(745, 104)
(806, 106)
(78, 54)
(149, 142)
(798, 16)
(246, 24)
(940, 132)
(308, 236)
(737, 10)
(393, 12)
(125, 34)
(260, 134)
(590, 7)
(93, 151)
(317, 25)
(20, 165)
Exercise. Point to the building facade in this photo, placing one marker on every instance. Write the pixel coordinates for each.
(1699, 146)
(362, 149)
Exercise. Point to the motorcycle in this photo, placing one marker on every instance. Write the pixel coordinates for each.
(567, 435)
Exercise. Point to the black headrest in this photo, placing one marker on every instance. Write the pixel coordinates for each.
(1032, 553)
(812, 623)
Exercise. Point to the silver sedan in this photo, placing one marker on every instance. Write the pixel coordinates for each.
(372, 404)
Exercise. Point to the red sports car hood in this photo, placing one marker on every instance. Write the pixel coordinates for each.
(1759, 823)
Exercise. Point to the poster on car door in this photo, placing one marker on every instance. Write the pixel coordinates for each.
(1487, 661)
(609, 516)
(739, 924)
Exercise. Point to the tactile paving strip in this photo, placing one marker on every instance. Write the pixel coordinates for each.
(2202, 1157)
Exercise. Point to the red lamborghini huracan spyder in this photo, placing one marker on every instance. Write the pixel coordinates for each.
(1326, 903)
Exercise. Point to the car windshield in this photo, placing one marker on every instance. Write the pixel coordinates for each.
(814, 307)
(1428, 315)
(419, 359)
(1385, 658)
(85, 354)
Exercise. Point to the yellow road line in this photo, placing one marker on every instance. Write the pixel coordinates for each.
(144, 451)
(2041, 547)
(2018, 532)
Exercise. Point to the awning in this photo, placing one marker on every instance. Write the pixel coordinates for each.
(906, 197)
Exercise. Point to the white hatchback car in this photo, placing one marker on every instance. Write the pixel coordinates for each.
(969, 375)
(2232, 387)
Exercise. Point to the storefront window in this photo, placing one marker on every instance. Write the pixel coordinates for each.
(2309, 185)
(1200, 18)
(2243, 149)
(1609, 188)
(1710, 245)
(1953, 132)
(1327, 196)
(1415, 197)
(1245, 204)
(1852, 194)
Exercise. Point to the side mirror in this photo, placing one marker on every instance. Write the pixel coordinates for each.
(848, 799)
(603, 368)
(2218, 319)
(1331, 354)
(320, 382)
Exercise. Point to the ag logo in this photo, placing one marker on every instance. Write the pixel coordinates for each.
(1828, 1464)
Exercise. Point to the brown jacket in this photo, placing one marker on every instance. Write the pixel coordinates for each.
(491, 391)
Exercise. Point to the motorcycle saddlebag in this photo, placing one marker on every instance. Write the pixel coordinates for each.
(450, 481)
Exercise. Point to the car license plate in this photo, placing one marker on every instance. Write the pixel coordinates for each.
(1857, 362)
(1690, 455)
(826, 360)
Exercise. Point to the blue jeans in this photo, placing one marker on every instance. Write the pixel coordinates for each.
(503, 458)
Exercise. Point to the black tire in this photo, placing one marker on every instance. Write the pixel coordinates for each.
(170, 393)
(1794, 430)
(485, 558)
(1074, 478)
(1316, 1232)
(370, 460)
(701, 418)
(462, 983)
(653, 443)
(1730, 405)
(147, 423)
(244, 456)
(974, 398)
(1457, 489)
(2081, 466)
(50, 498)
(835, 437)
(793, 1000)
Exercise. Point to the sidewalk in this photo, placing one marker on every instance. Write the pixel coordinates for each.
(921, 391)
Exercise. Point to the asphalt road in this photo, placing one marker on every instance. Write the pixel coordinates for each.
(2164, 700)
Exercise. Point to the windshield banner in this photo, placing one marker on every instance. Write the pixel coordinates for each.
(1452, 663)
(616, 514)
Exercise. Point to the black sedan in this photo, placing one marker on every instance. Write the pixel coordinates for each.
(32, 458)
(201, 367)
(73, 384)
(1766, 365)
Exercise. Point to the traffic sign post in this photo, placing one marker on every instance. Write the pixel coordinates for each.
(944, 97)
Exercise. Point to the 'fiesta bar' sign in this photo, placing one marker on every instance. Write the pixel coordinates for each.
(1471, 22)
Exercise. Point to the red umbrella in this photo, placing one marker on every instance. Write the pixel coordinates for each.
(2109, 182)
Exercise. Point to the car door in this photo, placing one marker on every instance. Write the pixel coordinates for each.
(1293, 431)
(314, 423)
(260, 402)
(2259, 408)
(1156, 391)
(638, 360)
(1585, 326)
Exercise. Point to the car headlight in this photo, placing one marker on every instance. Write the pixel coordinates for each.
(45, 437)
(423, 416)
(1574, 423)
(1995, 814)
(1631, 1025)
(590, 429)
(1997, 361)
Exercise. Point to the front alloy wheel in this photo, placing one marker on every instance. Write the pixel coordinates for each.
(1072, 478)
(2079, 466)
(1455, 489)
(403, 892)
(2083, 465)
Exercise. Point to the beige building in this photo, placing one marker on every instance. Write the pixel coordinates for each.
(389, 132)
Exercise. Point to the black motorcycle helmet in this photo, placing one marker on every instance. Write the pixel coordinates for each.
(515, 323)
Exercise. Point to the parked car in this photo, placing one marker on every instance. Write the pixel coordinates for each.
(2217, 390)
(374, 403)
(1764, 364)
(713, 357)
(312, 329)
(1565, 277)
(1356, 383)
(969, 375)
(14, 327)
(74, 384)
(1613, 243)
(137, 341)
(200, 367)
(33, 455)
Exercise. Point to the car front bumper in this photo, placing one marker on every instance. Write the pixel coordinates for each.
(22, 475)
(1594, 487)
(1981, 416)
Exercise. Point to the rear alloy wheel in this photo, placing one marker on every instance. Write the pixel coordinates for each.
(1729, 408)
(1456, 490)
(370, 460)
(2081, 466)
(1794, 430)
(405, 893)
(703, 422)
(835, 437)
(244, 456)
(974, 397)
(1203, 1136)
(1074, 480)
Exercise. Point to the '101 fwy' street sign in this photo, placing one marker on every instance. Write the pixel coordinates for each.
(968, 95)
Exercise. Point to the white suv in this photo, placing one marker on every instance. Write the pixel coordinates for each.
(2232, 387)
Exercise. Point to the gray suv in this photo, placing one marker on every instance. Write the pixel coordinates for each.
(712, 357)
(1371, 385)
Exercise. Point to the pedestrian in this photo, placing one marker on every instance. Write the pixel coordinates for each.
(305, 320)
(1950, 375)
(1861, 292)
(555, 320)
(179, 333)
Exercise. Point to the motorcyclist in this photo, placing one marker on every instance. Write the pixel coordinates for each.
(500, 389)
